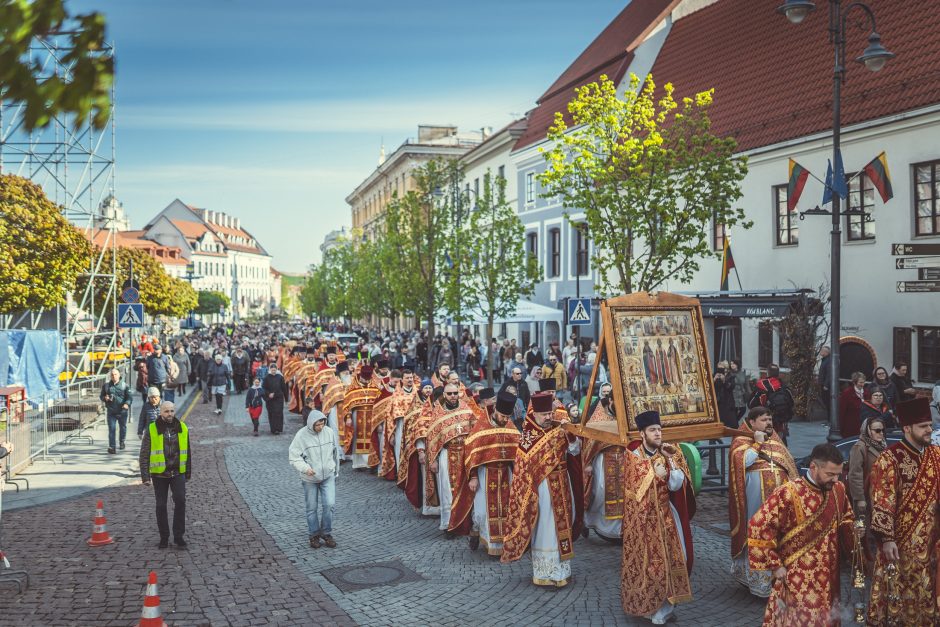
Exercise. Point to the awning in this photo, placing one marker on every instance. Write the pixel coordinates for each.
(750, 304)
(526, 311)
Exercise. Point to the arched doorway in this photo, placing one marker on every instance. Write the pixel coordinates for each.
(855, 355)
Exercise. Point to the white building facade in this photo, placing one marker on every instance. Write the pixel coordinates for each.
(777, 111)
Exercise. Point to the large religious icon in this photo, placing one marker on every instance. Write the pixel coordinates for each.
(656, 354)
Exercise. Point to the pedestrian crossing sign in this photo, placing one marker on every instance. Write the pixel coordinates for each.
(130, 315)
(579, 311)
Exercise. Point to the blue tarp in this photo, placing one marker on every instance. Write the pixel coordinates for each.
(33, 359)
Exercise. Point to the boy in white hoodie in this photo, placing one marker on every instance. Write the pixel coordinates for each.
(313, 453)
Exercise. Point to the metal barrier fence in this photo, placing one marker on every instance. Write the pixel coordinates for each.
(36, 425)
(714, 455)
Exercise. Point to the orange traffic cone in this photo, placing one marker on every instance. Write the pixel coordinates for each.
(100, 536)
(150, 616)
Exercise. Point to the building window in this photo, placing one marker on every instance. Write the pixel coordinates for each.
(476, 189)
(581, 246)
(861, 226)
(901, 350)
(530, 187)
(555, 252)
(928, 354)
(718, 233)
(501, 172)
(927, 198)
(532, 244)
(765, 344)
(788, 233)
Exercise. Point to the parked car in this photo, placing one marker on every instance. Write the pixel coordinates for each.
(845, 447)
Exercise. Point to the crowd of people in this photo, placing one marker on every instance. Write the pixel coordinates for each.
(500, 466)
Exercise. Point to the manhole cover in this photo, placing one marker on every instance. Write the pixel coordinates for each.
(362, 576)
(372, 576)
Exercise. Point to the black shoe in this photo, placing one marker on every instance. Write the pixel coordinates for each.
(315, 542)
(122, 446)
(474, 542)
(164, 542)
(181, 543)
(111, 451)
(329, 542)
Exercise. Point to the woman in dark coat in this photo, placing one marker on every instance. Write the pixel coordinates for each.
(875, 408)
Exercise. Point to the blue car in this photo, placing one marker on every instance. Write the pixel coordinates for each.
(845, 447)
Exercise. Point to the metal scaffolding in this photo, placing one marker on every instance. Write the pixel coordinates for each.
(74, 164)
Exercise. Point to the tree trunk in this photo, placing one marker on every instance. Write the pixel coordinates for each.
(430, 315)
(490, 356)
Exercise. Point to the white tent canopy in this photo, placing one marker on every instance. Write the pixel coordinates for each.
(526, 311)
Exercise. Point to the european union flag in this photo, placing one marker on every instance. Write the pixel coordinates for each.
(839, 184)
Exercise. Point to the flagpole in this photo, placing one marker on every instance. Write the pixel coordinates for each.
(740, 286)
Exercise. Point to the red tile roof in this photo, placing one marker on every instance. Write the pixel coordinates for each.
(190, 229)
(773, 79)
(608, 54)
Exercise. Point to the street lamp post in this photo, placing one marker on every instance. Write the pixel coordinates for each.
(874, 58)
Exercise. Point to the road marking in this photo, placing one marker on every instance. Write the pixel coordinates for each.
(196, 394)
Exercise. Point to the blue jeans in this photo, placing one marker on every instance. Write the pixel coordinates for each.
(169, 395)
(113, 421)
(317, 495)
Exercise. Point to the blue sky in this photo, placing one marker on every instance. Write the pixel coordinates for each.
(274, 110)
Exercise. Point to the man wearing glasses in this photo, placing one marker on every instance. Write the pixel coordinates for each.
(450, 424)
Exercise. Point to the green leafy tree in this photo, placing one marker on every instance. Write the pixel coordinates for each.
(84, 92)
(210, 301)
(372, 273)
(650, 177)
(160, 293)
(41, 254)
(495, 268)
(315, 295)
(418, 226)
(183, 298)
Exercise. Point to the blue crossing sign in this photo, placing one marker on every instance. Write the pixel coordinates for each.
(130, 315)
(579, 311)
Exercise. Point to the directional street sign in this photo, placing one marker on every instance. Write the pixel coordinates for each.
(914, 287)
(130, 295)
(579, 311)
(899, 250)
(911, 263)
(929, 274)
(130, 315)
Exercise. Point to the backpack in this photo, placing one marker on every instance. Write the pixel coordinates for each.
(779, 401)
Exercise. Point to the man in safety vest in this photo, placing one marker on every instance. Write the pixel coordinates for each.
(165, 456)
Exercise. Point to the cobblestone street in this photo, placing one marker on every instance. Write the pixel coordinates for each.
(374, 523)
(248, 561)
(232, 573)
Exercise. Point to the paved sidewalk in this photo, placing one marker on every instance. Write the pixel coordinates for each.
(74, 469)
(232, 572)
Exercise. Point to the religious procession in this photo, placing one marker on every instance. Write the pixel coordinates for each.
(516, 480)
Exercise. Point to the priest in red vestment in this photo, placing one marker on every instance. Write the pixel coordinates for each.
(451, 421)
(800, 534)
(657, 539)
(760, 463)
(905, 506)
(358, 404)
(545, 496)
(489, 452)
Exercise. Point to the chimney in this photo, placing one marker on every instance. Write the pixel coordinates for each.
(238, 223)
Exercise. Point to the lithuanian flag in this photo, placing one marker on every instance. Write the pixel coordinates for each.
(798, 176)
(727, 263)
(880, 177)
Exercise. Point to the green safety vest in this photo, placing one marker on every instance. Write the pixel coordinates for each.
(157, 458)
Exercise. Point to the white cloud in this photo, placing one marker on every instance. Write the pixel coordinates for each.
(331, 116)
